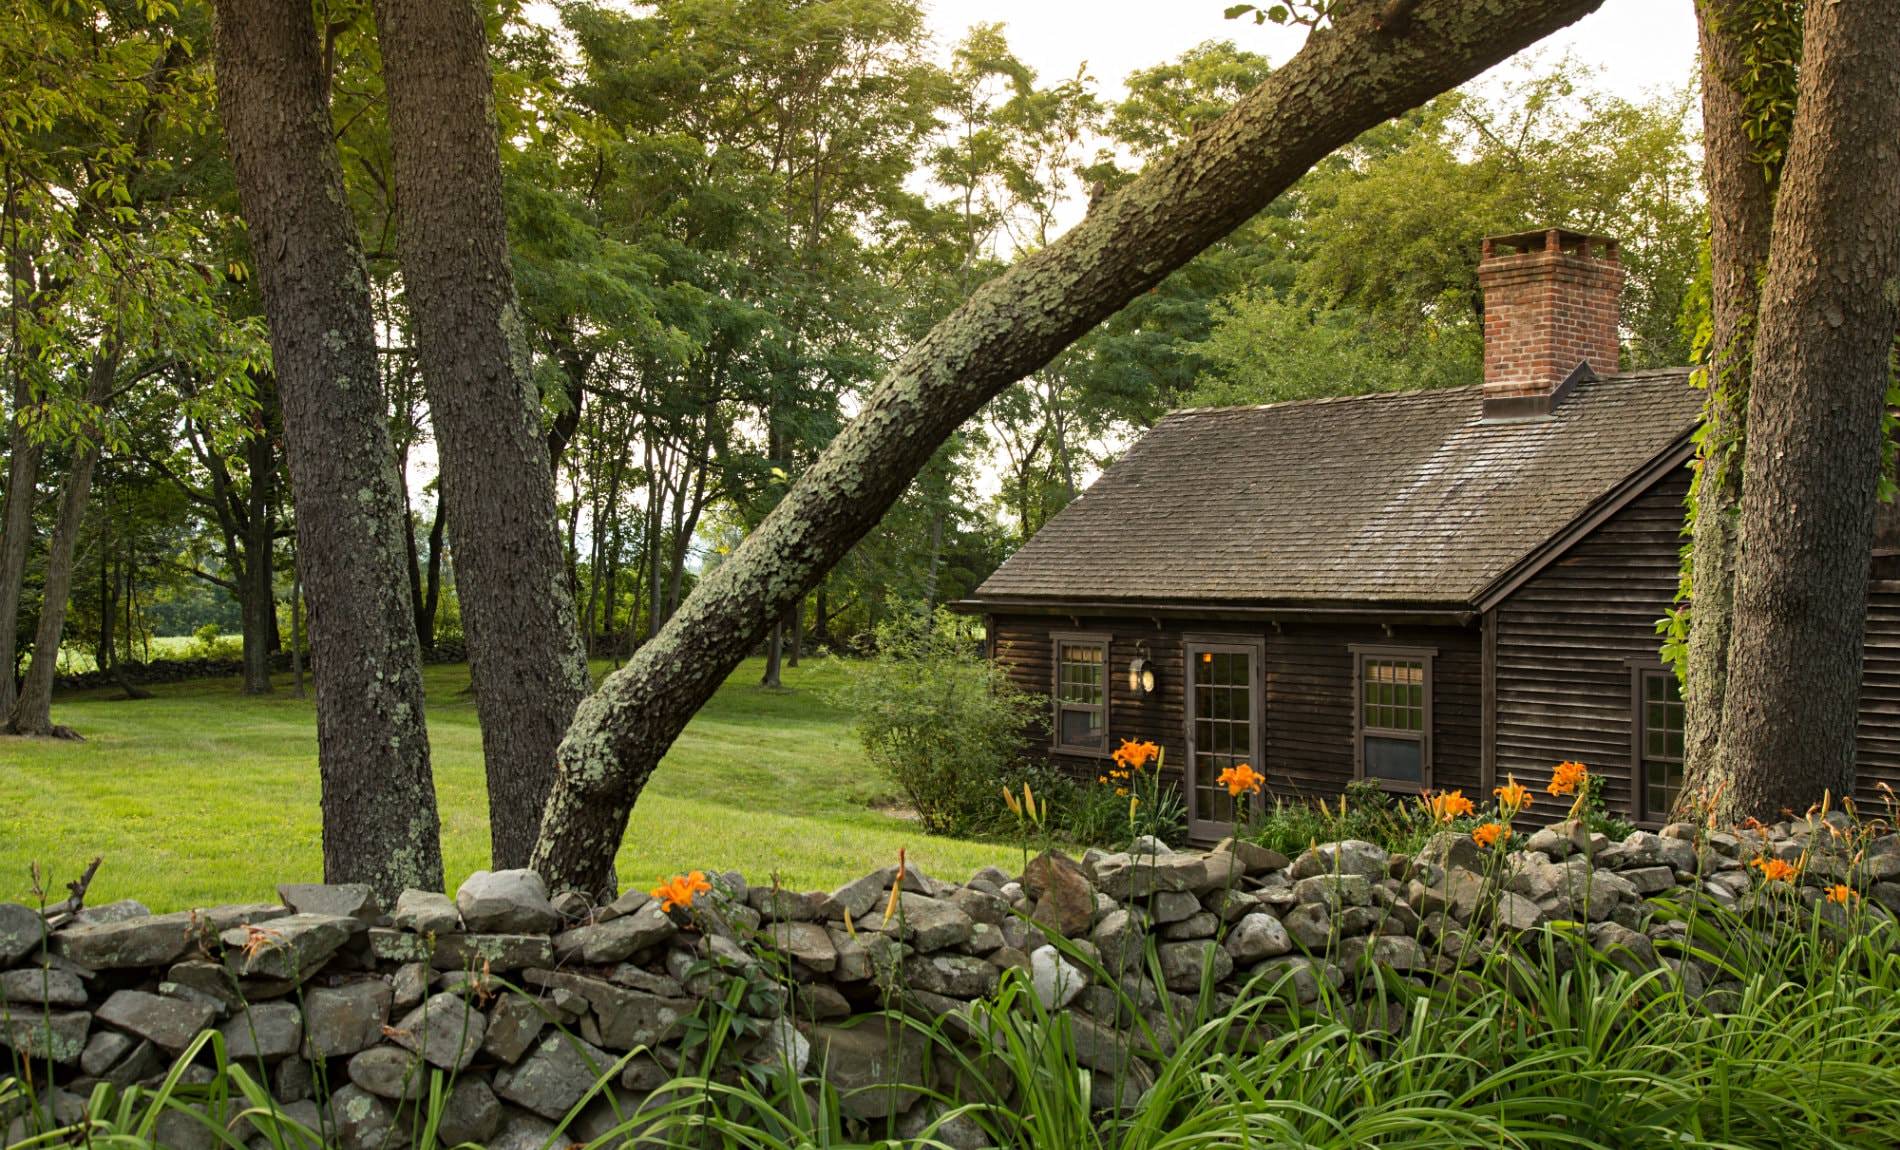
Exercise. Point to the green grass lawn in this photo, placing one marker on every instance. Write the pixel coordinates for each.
(204, 795)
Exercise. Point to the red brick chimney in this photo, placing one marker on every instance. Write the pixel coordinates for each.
(1552, 301)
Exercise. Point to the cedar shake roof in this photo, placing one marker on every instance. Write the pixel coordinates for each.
(1396, 498)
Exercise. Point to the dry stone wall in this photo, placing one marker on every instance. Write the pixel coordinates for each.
(524, 1001)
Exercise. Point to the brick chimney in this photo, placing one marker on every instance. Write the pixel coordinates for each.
(1552, 302)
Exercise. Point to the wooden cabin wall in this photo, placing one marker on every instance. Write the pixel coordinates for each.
(1566, 641)
(1309, 692)
(1878, 738)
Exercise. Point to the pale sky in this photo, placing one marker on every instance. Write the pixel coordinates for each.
(1639, 44)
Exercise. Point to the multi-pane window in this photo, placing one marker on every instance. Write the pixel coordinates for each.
(1394, 716)
(1081, 719)
(1659, 741)
(1223, 712)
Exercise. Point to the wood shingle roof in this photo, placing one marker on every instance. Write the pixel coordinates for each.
(1405, 498)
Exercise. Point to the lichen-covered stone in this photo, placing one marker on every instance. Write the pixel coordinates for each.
(170, 1023)
(506, 902)
(59, 1036)
(292, 948)
(426, 912)
(343, 900)
(560, 1071)
(155, 940)
(268, 1030)
(617, 939)
(341, 1020)
(446, 1030)
(514, 1022)
(22, 931)
(41, 986)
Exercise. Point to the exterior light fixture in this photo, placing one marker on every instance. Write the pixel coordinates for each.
(1141, 674)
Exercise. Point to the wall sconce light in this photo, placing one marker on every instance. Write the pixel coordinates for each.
(1142, 679)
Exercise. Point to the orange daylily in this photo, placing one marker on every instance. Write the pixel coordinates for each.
(679, 890)
(1775, 870)
(1490, 834)
(1841, 893)
(1568, 779)
(1448, 805)
(1512, 797)
(1133, 756)
(1241, 780)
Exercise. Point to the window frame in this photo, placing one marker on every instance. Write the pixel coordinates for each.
(1640, 674)
(1057, 641)
(1385, 652)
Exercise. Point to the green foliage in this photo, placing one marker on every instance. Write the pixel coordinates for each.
(940, 720)
(1366, 811)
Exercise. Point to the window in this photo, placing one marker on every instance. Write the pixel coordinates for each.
(1081, 719)
(1394, 715)
(1658, 738)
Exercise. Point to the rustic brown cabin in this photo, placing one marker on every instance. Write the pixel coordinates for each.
(1430, 589)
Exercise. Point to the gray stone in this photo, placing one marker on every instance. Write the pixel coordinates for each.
(119, 911)
(780, 905)
(514, 1022)
(344, 900)
(805, 942)
(427, 912)
(1173, 906)
(1334, 891)
(1200, 924)
(292, 948)
(170, 1023)
(268, 1030)
(1650, 879)
(390, 1072)
(470, 1114)
(292, 1080)
(1629, 949)
(616, 940)
(1448, 849)
(1515, 912)
(860, 898)
(497, 953)
(363, 1121)
(59, 1036)
(1394, 951)
(22, 931)
(408, 985)
(41, 986)
(1560, 840)
(104, 1050)
(1123, 877)
(1348, 857)
(1231, 905)
(1257, 936)
(955, 975)
(1254, 857)
(560, 1071)
(1310, 926)
(1184, 963)
(1055, 980)
(1642, 849)
(873, 1067)
(445, 1030)
(341, 1020)
(928, 923)
(506, 902)
(156, 940)
(637, 978)
(983, 907)
(1119, 936)
(854, 962)
(628, 1018)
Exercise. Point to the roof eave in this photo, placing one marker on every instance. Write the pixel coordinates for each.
(1456, 614)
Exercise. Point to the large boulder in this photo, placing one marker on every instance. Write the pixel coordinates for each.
(928, 923)
(153, 940)
(506, 902)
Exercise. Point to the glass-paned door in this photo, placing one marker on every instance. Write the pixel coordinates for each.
(1224, 704)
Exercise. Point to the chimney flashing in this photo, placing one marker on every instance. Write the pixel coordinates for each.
(1523, 408)
(1551, 303)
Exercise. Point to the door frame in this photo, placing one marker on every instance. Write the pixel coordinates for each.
(1192, 646)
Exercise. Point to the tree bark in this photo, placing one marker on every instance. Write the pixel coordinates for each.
(1741, 207)
(16, 525)
(32, 712)
(525, 658)
(1824, 345)
(1348, 78)
(379, 815)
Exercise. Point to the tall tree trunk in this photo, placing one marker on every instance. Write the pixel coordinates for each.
(1372, 62)
(108, 609)
(1824, 347)
(936, 553)
(1741, 207)
(32, 712)
(379, 815)
(259, 600)
(296, 627)
(16, 539)
(432, 582)
(525, 658)
(774, 649)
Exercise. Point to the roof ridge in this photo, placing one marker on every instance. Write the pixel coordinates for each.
(1642, 374)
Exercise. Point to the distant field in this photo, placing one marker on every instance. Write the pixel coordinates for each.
(203, 794)
(79, 660)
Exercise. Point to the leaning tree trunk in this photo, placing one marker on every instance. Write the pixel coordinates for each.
(1375, 61)
(1824, 345)
(525, 657)
(379, 815)
(1741, 206)
(32, 712)
(16, 537)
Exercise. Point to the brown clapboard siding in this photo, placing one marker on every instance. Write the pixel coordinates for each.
(1309, 692)
(1878, 737)
(1568, 637)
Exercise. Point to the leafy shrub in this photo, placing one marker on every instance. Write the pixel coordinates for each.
(940, 720)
